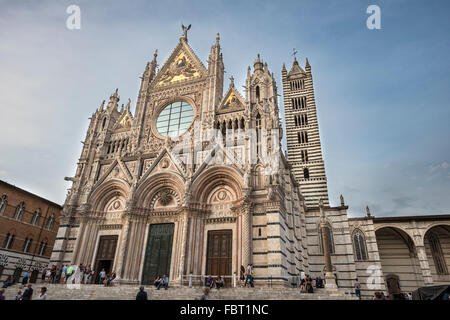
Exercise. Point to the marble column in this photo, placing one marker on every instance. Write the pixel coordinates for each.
(246, 235)
(183, 240)
(123, 247)
(330, 282)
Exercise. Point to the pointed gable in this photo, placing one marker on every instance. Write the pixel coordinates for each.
(296, 70)
(232, 100)
(182, 65)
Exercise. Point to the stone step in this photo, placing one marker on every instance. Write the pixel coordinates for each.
(128, 292)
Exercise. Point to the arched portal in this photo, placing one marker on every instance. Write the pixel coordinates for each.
(399, 260)
(437, 248)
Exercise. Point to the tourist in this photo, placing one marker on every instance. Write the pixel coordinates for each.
(19, 295)
(157, 281)
(44, 272)
(25, 278)
(7, 282)
(28, 293)
(58, 274)
(43, 295)
(409, 296)
(48, 274)
(219, 282)
(2, 297)
(64, 272)
(113, 278)
(164, 282)
(242, 276)
(357, 286)
(303, 285)
(141, 295)
(91, 275)
(249, 276)
(205, 295)
(379, 296)
(309, 286)
(53, 274)
(102, 276)
(319, 282)
(210, 282)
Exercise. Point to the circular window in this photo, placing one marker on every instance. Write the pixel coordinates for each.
(175, 119)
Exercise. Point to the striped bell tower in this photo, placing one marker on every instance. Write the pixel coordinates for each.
(302, 133)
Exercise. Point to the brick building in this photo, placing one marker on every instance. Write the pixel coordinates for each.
(28, 228)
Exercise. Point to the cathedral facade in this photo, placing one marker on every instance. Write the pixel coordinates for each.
(195, 182)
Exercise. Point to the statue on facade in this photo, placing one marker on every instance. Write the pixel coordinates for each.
(342, 200)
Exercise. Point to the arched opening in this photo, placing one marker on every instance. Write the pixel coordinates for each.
(305, 173)
(437, 248)
(399, 260)
(257, 93)
(359, 245)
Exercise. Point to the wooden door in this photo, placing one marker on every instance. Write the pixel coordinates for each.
(219, 253)
(158, 252)
(105, 254)
(393, 284)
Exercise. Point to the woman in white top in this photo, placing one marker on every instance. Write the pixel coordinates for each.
(43, 295)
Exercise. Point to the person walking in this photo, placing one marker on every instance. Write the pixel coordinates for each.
(19, 295)
(249, 276)
(102, 276)
(357, 286)
(141, 295)
(43, 295)
(205, 295)
(25, 278)
(28, 293)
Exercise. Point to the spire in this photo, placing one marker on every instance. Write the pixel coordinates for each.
(308, 66)
(128, 105)
(121, 108)
(258, 64)
(102, 105)
(217, 39)
(114, 99)
(284, 68)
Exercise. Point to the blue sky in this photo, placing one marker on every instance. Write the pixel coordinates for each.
(382, 95)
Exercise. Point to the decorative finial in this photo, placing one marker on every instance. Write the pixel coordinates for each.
(368, 211)
(102, 105)
(155, 54)
(294, 52)
(185, 30)
(342, 200)
(217, 38)
(128, 105)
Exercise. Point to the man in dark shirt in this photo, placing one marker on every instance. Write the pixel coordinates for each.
(28, 294)
(141, 295)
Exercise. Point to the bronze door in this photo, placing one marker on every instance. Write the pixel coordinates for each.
(158, 252)
(219, 253)
(105, 254)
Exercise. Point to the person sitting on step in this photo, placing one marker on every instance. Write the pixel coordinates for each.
(157, 281)
(164, 282)
(219, 282)
(210, 282)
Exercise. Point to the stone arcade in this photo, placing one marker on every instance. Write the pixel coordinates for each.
(195, 183)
